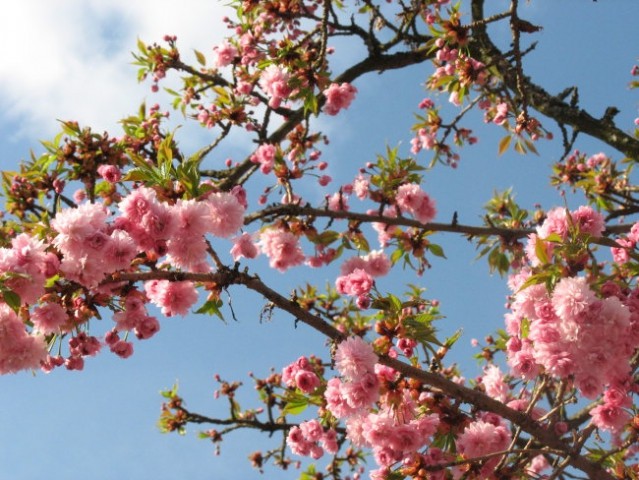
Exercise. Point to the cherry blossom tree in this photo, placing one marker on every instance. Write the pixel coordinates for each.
(120, 227)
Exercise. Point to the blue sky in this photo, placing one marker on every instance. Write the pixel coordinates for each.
(70, 60)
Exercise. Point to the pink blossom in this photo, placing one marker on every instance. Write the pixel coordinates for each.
(312, 430)
(377, 263)
(362, 391)
(174, 298)
(18, 349)
(146, 327)
(356, 283)
(265, 156)
(556, 222)
(360, 187)
(307, 381)
(226, 214)
(338, 202)
(354, 358)
(224, 54)
(571, 298)
(338, 97)
(49, 318)
(610, 417)
(122, 349)
(282, 248)
(243, 246)
(335, 401)
(493, 381)
(501, 113)
(83, 345)
(110, 173)
(588, 221)
(481, 438)
(412, 199)
(274, 82)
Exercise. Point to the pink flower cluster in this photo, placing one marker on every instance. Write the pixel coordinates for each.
(394, 434)
(134, 317)
(174, 298)
(412, 199)
(26, 266)
(224, 54)
(309, 438)
(482, 437)
(558, 223)
(274, 82)
(357, 275)
(265, 157)
(282, 248)
(338, 97)
(19, 350)
(355, 360)
(621, 254)
(573, 334)
(91, 249)
(300, 374)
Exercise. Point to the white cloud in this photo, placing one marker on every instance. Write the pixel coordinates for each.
(70, 59)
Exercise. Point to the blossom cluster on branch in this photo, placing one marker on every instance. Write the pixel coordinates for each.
(101, 226)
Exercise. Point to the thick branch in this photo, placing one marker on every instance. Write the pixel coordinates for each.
(453, 227)
(542, 101)
(476, 398)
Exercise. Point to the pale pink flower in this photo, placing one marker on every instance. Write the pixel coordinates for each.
(354, 358)
(224, 54)
(110, 173)
(356, 283)
(556, 222)
(338, 97)
(501, 113)
(138, 203)
(377, 263)
(174, 298)
(243, 246)
(338, 202)
(335, 401)
(571, 298)
(610, 417)
(265, 157)
(227, 214)
(362, 391)
(588, 221)
(312, 430)
(493, 381)
(282, 248)
(274, 82)
(360, 187)
(49, 318)
(412, 199)
(146, 327)
(18, 349)
(481, 438)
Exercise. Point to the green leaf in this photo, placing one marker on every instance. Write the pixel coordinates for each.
(172, 393)
(326, 238)
(504, 143)
(211, 307)
(450, 341)
(12, 299)
(201, 59)
(436, 250)
(540, 251)
(296, 405)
